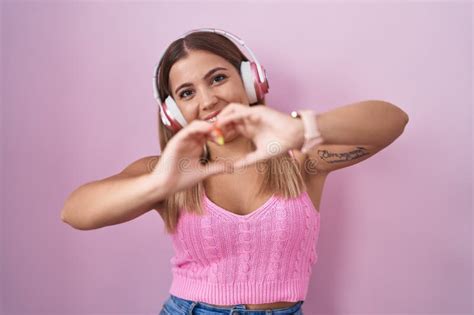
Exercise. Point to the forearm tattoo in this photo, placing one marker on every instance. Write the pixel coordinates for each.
(335, 157)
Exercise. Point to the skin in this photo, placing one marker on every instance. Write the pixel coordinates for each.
(206, 96)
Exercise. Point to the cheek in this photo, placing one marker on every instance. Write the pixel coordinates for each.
(238, 93)
(232, 90)
(189, 112)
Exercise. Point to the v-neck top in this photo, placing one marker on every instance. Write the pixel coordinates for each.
(262, 257)
(218, 208)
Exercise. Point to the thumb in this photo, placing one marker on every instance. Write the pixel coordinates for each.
(252, 157)
(219, 166)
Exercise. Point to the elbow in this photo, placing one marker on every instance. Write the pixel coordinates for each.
(403, 115)
(405, 118)
(80, 227)
(63, 216)
(75, 216)
(402, 122)
(76, 224)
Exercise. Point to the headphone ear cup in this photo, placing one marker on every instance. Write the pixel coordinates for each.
(175, 111)
(171, 115)
(255, 89)
(261, 87)
(247, 78)
(164, 118)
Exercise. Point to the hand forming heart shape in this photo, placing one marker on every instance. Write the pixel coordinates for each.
(272, 132)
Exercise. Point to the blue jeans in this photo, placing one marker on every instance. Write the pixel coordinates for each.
(177, 306)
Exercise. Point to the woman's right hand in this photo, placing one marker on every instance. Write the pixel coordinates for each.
(179, 165)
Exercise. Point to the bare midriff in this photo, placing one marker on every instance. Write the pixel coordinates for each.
(269, 306)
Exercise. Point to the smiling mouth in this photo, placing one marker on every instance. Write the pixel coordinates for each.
(211, 120)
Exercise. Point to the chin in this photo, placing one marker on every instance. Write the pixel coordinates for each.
(232, 135)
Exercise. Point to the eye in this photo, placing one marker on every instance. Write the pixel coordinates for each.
(181, 95)
(220, 75)
(223, 76)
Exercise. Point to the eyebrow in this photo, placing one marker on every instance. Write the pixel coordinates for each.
(205, 77)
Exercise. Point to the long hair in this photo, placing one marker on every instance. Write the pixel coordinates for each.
(281, 174)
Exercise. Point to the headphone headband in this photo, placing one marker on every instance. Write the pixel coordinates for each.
(236, 39)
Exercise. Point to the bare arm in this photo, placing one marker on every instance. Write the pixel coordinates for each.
(115, 199)
(373, 122)
(355, 132)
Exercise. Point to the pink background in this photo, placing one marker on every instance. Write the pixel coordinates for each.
(77, 106)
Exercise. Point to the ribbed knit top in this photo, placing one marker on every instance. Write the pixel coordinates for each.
(262, 257)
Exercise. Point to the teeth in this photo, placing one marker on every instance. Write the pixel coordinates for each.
(213, 119)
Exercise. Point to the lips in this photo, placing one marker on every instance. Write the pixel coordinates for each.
(212, 115)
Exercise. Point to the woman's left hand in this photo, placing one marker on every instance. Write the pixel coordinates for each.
(272, 132)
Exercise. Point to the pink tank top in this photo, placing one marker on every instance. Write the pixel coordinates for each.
(262, 257)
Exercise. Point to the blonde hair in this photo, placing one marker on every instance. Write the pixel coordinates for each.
(282, 174)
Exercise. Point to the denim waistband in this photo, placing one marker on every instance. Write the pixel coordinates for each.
(193, 307)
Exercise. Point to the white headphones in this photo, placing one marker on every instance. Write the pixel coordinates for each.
(253, 76)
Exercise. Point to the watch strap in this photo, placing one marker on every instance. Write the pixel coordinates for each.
(312, 135)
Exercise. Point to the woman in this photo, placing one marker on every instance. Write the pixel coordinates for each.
(244, 215)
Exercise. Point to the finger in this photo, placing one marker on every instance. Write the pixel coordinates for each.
(216, 135)
(214, 167)
(232, 125)
(230, 108)
(243, 130)
(196, 130)
(199, 127)
(249, 159)
(232, 117)
(219, 166)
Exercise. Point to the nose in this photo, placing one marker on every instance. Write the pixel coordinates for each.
(208, 99)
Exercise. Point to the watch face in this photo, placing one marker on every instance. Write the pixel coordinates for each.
(295, 114)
